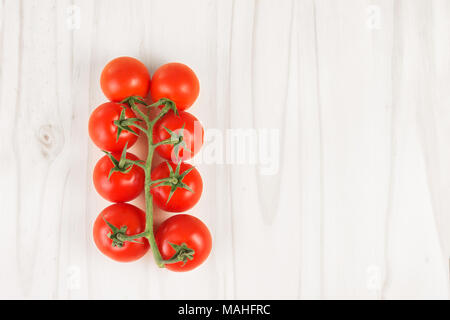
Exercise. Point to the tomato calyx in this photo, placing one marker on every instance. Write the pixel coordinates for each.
(123, 165)
(125, 123)
(168, 105)
(183, 254)
(119, 236)
(177, 141)
(175, 180)
(133, 100)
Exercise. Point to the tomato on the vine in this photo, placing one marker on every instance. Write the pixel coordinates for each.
(177, 82)
(184, 123)
(184, 229)
(114, 185)
(129, 220)
(182, 192)
(103, 131)
(125, 77)
(122, 231)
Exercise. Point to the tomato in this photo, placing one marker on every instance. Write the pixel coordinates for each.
(125, 77)
(121, 215)
(120, 187)
(193, 134)
(103, 131)
(184, 229)
(176, 82)
(188, 184)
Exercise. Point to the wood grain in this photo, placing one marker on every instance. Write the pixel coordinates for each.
(357, 91)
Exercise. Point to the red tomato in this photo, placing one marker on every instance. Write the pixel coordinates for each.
(176, 82)
(103, 131)
(193, 134)
(184, 229)
(125, 77)
(121, 215)
(182, 199)
(120, 187)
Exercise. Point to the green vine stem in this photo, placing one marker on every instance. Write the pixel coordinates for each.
(183, 253)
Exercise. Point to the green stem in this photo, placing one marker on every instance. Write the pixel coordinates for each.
(139, 127)
(163, 112)
(140, 164)
(149, 204)
(138, 111)
(149, 232)
(166, 142)
(155, 182)
(173, 260)
(125, 238)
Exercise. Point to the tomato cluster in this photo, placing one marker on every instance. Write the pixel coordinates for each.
(122, 231)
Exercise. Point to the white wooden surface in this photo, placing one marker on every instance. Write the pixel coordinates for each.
(358, 89)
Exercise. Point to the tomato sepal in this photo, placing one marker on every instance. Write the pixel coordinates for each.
(167, 103)
(177, 141)
(183, 254)
(125, 123)
(175, 180)
(119, 236)
(133, 100)
(123, 165)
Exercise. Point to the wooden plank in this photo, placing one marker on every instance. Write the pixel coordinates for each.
(348, 199)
